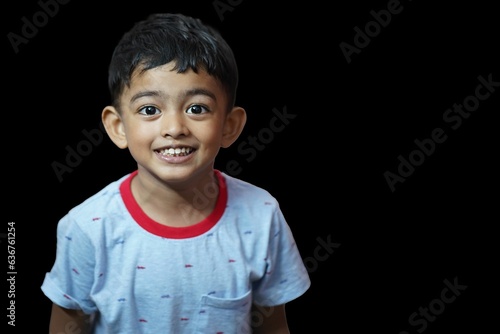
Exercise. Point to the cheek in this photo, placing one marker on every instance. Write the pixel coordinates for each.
(210, 135)
(139, 134)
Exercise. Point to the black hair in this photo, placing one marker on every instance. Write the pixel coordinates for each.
(165, 37)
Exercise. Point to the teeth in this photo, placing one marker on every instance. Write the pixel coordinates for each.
(176, 151)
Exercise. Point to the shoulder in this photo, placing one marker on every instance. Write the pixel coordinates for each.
(252, 205)
(239, 190)
(105, 202)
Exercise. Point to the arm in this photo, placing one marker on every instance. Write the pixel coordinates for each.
(64, 320)
(271, 320)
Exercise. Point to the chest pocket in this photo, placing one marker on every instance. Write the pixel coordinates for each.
(225, 315)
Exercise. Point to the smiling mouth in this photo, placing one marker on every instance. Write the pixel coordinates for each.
(176, 152)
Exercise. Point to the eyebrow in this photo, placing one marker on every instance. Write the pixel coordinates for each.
(199, 91)
(187, 93)
(145, 93)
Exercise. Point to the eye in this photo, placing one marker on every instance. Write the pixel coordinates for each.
(149, 111)
(196, 109)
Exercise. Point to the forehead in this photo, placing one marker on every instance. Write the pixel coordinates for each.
(168, 81)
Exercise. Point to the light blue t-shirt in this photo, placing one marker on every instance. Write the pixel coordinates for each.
(138, 276)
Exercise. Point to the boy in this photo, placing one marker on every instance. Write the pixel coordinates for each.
(175, 246)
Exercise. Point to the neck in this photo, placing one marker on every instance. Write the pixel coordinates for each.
(176, 206)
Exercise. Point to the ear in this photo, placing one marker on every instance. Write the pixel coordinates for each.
(114, 126)
(235, 122)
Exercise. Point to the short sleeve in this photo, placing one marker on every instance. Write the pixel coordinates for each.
(70, 280)
(286, 276)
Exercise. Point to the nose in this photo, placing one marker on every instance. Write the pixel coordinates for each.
(174, 124)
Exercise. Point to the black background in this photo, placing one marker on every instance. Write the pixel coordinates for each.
(326, 167)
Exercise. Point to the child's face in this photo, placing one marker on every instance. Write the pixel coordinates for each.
(174, 123)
